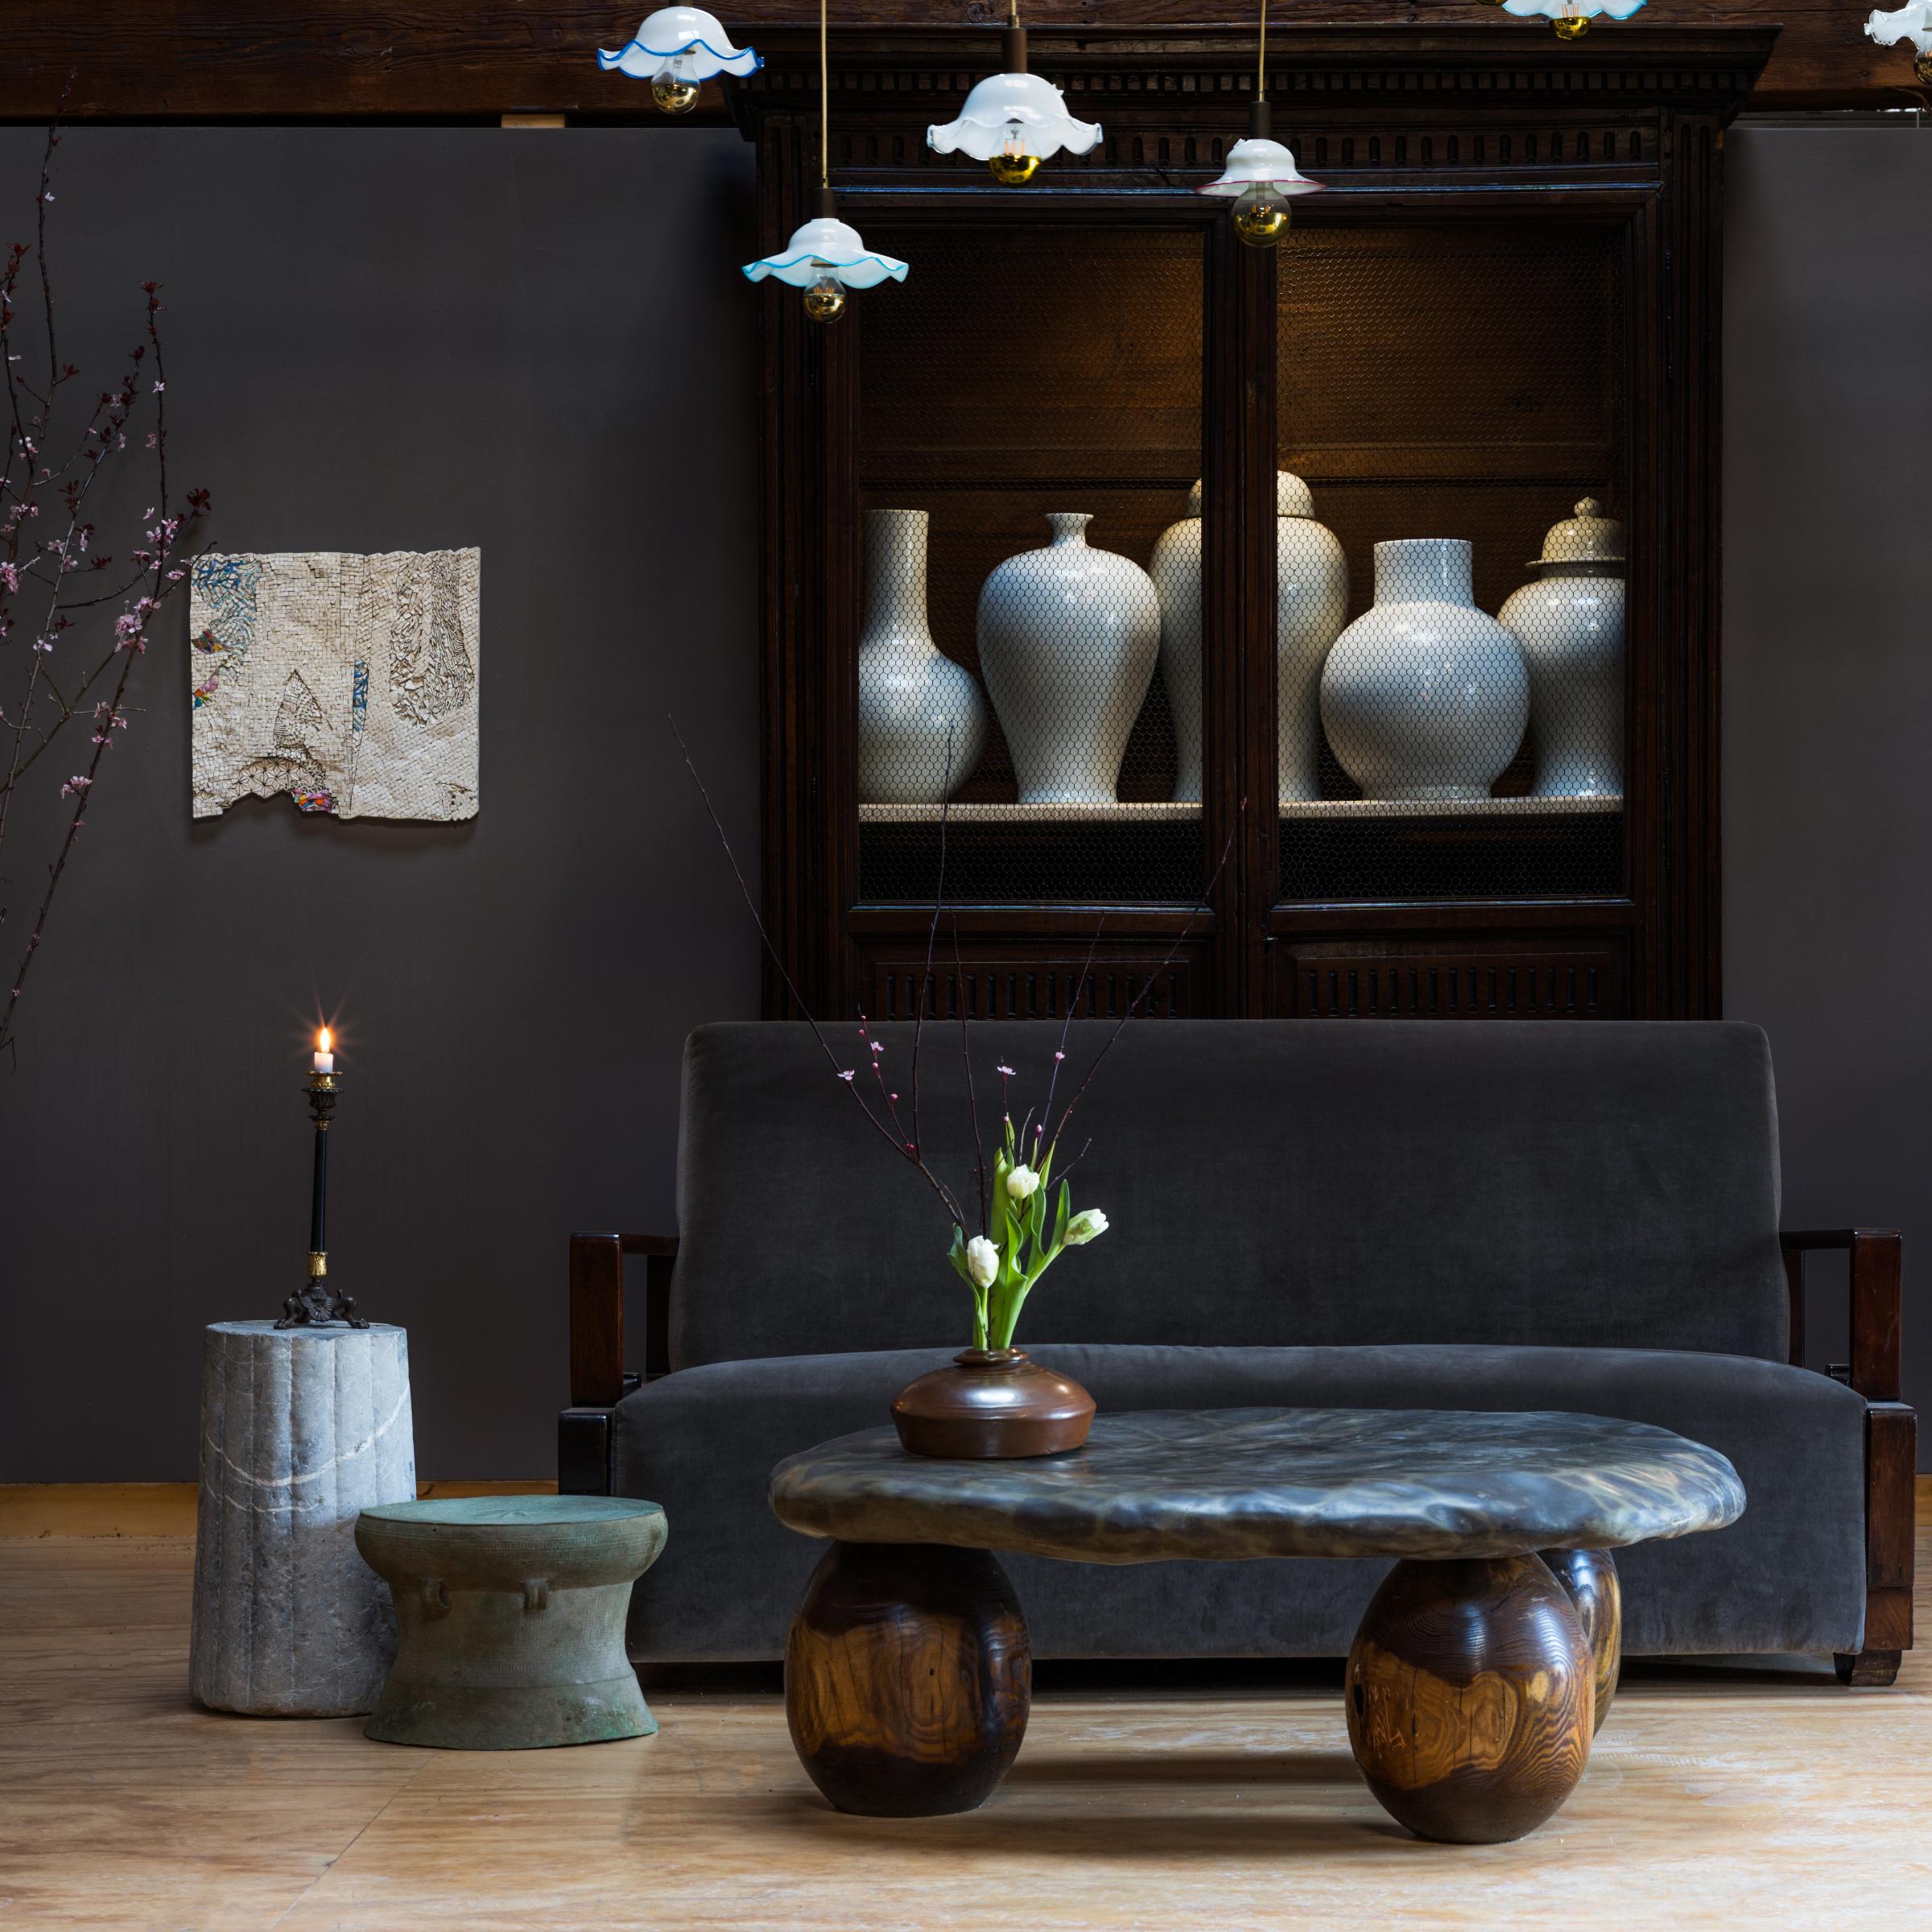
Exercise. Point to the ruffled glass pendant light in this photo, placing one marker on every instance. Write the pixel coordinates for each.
(825, 256)
(679, 48)
(1260, 175)
(1913, 23)
(1014, 120)
(1571, 18)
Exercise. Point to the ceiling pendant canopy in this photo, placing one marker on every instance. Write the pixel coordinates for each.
(679, 48)
(1260, 176)
(1014, 120)
(825, 256)
(1571, 18)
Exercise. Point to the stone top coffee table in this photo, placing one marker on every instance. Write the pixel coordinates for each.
(1482, 1666)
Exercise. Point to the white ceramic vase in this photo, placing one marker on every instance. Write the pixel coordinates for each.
(1310, 602)
(1068, 639)
(911, 693)
(1425, 696)
(1570, 623)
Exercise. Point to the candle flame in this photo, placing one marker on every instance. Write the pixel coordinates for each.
(325, 1040)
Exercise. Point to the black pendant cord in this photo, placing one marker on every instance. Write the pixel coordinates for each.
(316, 1305)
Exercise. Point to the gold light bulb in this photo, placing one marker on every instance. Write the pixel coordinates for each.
(825, 299)
(1013, 167)
(1922, 67)
(1571, 26)
(674, 93)
(1260, 217)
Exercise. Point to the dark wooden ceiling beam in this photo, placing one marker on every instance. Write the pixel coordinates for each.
(454, 60)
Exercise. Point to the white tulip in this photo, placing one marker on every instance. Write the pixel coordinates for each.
(982, 1261)
(1084, 1226)
(1021, 1182)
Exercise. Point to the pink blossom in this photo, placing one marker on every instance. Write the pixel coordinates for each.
(849, 1074)
(75, 783)
(1005, 1073)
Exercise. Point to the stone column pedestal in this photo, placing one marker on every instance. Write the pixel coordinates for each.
(301, 1430)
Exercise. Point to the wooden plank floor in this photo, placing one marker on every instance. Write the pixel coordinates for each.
(1755, 1798)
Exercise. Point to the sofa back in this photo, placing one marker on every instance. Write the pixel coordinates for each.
(1269, 1182)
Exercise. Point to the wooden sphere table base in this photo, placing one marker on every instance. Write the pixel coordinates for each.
(1483, 1668)
(908, 1678)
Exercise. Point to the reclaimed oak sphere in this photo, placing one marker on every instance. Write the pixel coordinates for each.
(908, 1678)
(1469, 1698)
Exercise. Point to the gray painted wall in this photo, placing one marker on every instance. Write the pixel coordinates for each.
(1828, 672)
(538, 343)
(535, 342)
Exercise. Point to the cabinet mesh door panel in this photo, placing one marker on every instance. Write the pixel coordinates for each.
(1451, 394)
(1011, 641)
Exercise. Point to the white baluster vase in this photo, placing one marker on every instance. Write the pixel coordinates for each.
(1068, 639)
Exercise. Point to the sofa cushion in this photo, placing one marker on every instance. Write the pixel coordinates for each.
(1788, 1577)
(1272, 1184)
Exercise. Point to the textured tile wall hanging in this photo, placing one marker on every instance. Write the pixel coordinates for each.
(347, 682)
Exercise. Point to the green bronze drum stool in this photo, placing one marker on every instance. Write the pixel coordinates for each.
(509, 1619)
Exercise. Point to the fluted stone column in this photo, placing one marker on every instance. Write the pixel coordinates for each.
(301, 1430)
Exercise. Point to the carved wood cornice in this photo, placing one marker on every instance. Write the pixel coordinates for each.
(1203, 75)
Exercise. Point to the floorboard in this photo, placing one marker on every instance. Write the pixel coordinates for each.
(1756, 1797)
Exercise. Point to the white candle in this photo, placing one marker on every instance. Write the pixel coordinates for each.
(324, 1059)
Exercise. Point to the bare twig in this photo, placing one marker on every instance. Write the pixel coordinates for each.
(1134, 1005)
(848, 1076)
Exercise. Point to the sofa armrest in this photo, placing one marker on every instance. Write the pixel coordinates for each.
(1877, 1260)
(597, 1375)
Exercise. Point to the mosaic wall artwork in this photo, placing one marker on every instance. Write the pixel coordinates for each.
(349, 683)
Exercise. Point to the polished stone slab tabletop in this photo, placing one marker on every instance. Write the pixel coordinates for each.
(1155, 1485)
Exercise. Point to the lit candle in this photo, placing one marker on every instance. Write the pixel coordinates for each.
(325, 1060)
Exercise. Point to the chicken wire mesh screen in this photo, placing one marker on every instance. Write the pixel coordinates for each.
(1451, 662)
(1024, 536)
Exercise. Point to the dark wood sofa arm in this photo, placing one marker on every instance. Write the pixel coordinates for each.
(1891, 1433)
(1876, 1255)
(598, 1379)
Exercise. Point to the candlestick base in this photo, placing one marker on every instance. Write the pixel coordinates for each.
(314, 1307)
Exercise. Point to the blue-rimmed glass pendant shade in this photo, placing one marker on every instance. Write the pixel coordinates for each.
(1571, 18)
(677, 49)
(825, 256)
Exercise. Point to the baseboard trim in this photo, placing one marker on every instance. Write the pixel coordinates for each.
(30, 1510)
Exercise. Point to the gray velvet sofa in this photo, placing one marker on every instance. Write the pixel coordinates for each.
(1346, 1213)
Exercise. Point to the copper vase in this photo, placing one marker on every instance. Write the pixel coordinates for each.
(991, 1404)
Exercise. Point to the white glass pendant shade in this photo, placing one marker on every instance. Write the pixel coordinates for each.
(1912, 23)
(688, 40)
(1014, 112)
(1260, 179)
(826, 248)
(1262, 163)
(1572, 17)
(1013, 121)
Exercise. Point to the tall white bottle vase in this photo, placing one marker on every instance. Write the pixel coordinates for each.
(1311, 607)
(911, 693)
(1425, 696)
(1069, 636)
(1312, 604)
(1570, 623)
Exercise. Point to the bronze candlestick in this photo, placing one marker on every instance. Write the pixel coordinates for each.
(315, 1304)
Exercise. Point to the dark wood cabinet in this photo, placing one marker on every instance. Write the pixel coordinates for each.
(1507, 300)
